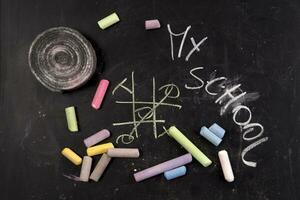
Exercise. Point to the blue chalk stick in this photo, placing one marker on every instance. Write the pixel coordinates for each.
(206, 133)
(217, 130)
(174, 173)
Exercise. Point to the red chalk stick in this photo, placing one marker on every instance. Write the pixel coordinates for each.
(100, 93)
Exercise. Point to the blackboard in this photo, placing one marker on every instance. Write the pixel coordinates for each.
(253, 43)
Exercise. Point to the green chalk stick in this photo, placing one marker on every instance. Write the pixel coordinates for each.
(71, 119)
(108, 21)
(189, 146)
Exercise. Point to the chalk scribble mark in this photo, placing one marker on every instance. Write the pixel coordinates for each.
(144, 112)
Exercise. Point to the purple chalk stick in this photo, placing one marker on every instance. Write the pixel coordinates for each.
(152, 24)
(96, 138)
(163, 167)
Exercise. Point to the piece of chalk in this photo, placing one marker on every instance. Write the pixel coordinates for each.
(99, 149)
(217, 130)
(96, 138)
(189, 146)
(108, 21)
(226, 166)
(100, 93)
(152, 24)
(85, 169)
(100, 167)
(163, 167)
(71, 119)
(207, 134)
(71, 156)
(123, 152)
(175, 173)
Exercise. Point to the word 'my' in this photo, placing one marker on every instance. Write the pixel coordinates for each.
(184, 35)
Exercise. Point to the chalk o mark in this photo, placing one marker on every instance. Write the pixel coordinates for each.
(250, 126)
(248, 148)
(236, 110)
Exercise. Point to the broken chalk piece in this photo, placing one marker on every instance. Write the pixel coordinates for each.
(99, 149)
(217, 130)
(207, 134)
(226, 166)
(189, 146)
(163, 167)
(175, 173)
(108, 21)
(100, 167)
(96, 138)
(152, 24)
(123, 152)
(85, 169)
(72, 156)
(71, 119)
(100, 93)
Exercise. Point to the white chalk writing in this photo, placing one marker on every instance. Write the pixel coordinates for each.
(195, 46)
(230, 97)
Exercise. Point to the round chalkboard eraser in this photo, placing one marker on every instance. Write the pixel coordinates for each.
(62, 59)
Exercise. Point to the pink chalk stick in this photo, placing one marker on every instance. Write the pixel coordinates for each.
(163, 167)
(152, 24)
(100, 93)
(96, 138)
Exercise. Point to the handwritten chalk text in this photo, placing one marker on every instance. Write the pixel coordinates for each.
(229, 97)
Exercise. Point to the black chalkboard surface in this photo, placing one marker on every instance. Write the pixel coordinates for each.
(253, 43)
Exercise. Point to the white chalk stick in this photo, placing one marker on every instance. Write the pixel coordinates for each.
(100, 167)
(226, 166)
(123, 152)
(85, 168)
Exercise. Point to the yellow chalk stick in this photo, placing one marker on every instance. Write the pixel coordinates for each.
(99, 149)
(72, 156)
(71, 119)
(108, 21)
(189, 146)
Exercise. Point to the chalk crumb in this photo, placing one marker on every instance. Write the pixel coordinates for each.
(72, 177)
(62, 197)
